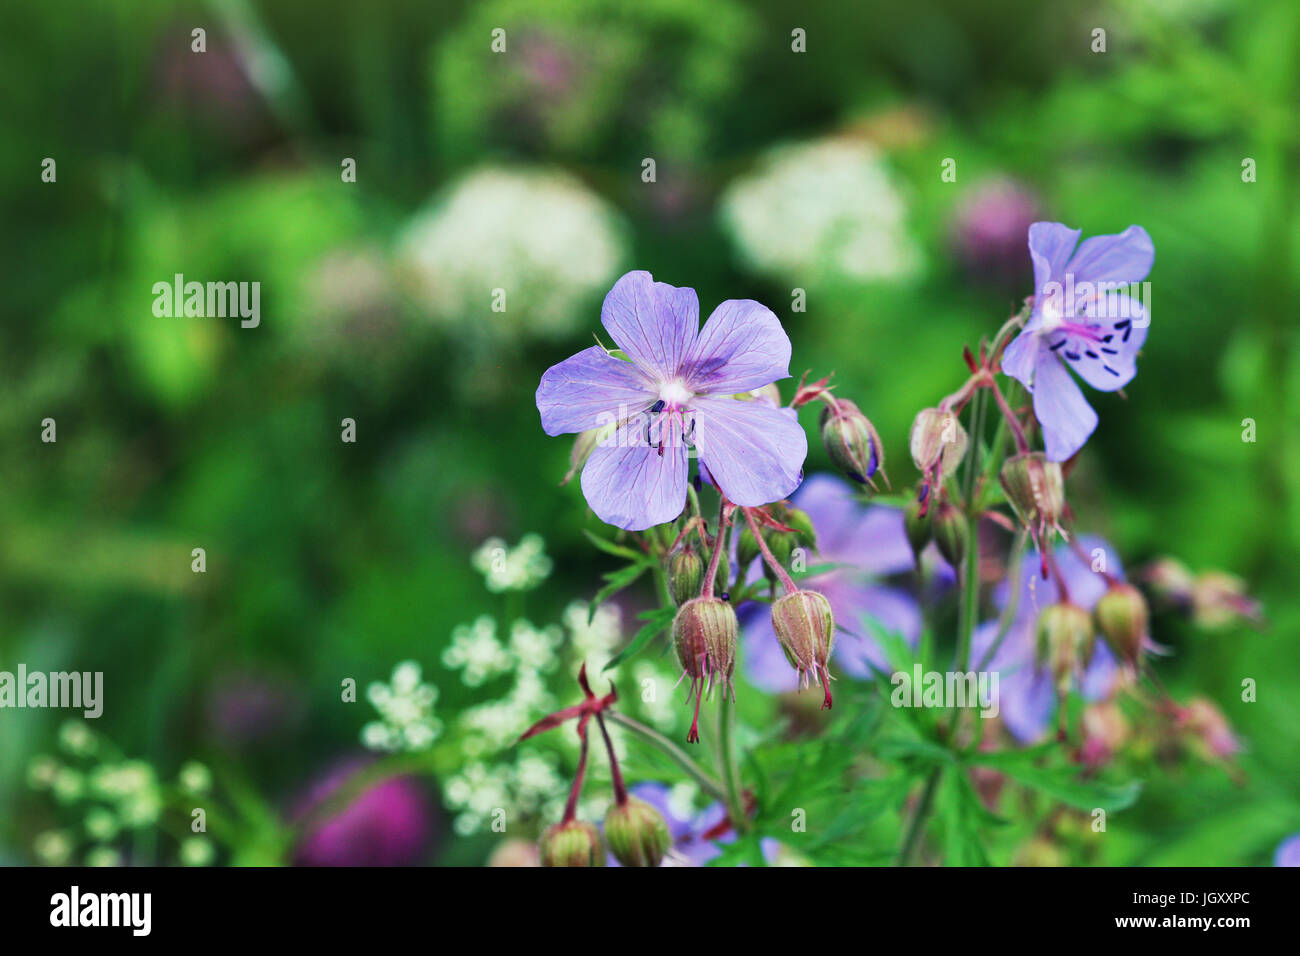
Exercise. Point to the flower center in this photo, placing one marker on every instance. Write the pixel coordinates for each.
(674, 394)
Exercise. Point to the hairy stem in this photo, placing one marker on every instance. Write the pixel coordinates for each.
(672, 752)
(728, 767)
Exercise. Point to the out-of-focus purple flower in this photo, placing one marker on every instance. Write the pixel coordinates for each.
(871, 542)
(1288, 851)
(696, 836)
(676, 392)
(1083, 319)
(988, 231)
(388, 824)
(1025, 693)
(248, 710)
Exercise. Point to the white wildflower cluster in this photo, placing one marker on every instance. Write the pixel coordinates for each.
(520, 781)
(543, 237)
(824, 210)
(116, 796)
(405, 705)
(520, 568)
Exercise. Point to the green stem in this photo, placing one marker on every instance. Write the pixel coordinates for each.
(672, 752)
(914, 830)
(727, 762)
(970, 584)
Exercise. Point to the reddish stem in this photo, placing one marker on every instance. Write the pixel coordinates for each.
(772, 562)
(571, 807)
(616, 775)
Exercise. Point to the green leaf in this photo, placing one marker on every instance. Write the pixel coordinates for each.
(1062, 783)
(657, 620)
(618, 550)
(617, 581)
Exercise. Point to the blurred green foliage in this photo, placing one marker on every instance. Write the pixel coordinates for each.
(329, 560)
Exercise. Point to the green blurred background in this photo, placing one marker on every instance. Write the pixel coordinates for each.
(775, 170)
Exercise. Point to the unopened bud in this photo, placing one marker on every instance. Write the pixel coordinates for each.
(951, 533)
(1220, 599)
(938, 442)
(1209, 730)
(851, 441)
(705, 631)
(1170, 581)
(1122, 617)
(572, 844)
(918, 525)
(805, 626)
(1065, 638)
(1036, 489)
(637, 833)
(685, 573)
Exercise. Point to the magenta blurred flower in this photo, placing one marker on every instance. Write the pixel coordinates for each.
(675, 392)
(1082, 319)
(988, 231)
(251, 709)
(389, 823)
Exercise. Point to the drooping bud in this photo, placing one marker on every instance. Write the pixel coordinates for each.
(1220, 599)
(805, 626)
(572, 844)
(637, 833)
(1208, 730)
(919, 527)
(1036, 489)
(1170, 581)
(1122, 618)
(704, 632)
(685, 573)
(938, 443)
(1104, 731)
(951, 533)
(1064, 638)
(851, 441)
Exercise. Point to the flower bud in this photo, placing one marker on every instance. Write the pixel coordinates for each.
(685, 573)
(1036, 489)
(1065, 638)
(851, 441)
(636, 833)
(919, 527)
(572, 844)
(1169, 581)
(1220, 599)
(1122, 616)
(1208, 730)
(704, 632)
(938, 442)
(805, 626)
(951, 533)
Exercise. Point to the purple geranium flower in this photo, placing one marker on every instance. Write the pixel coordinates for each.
(871, 542)
(1026, 695)
(1288, 851)
(676, 393)
(1081, 317)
